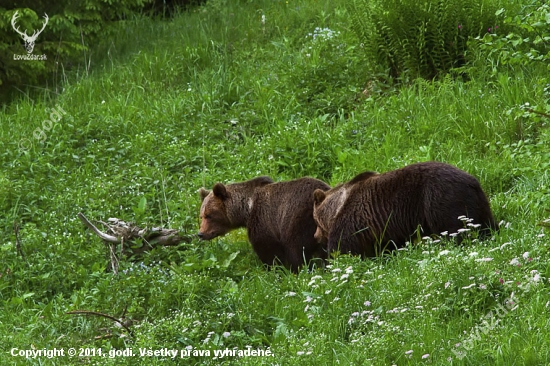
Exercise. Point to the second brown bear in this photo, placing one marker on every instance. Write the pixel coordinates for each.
(278, 217)
(374, 212)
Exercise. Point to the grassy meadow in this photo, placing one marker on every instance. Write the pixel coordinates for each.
(230, 91)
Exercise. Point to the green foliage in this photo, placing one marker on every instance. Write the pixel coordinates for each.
(527, 40)
(526, 45)
(327, 72)
(72, 28)
(409, 39)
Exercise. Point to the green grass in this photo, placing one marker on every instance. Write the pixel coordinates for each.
(215, 95)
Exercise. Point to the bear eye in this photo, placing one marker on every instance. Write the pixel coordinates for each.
(207, 217)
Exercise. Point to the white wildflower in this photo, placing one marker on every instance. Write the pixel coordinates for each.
(484, 259)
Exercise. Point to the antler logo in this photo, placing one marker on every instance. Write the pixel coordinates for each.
(29, 40)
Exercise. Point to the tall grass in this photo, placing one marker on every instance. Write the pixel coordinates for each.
(218, 95)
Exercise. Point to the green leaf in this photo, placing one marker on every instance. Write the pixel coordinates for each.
(229, 259)
(142, 204)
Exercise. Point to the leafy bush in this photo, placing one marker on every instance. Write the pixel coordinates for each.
(71, 29)
(527, 38)
(525, 45)
(419, 38)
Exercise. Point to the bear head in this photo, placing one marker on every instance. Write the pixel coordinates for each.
(227, 207)
(327, 204)
(213, 214)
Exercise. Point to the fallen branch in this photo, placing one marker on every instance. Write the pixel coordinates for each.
(132, 239)
(120, 232)
(539, 113)
(102, 235)
(18, 242)
(124, 323)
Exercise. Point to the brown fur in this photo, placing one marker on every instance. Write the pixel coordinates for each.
(376, 211)
(278, 217)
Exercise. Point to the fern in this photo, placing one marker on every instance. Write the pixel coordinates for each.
(419, 38)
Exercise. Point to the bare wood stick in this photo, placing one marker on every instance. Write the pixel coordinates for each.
(89, 312)
(108, 238)
(133, 240)
(18, 242)
(114, 259)
(105, 336)
(539, 113)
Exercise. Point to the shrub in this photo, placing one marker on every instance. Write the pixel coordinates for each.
(527, 39)
(72, 27)
(419, 38)
(525, 45)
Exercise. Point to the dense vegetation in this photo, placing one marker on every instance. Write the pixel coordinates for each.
(233, 90)
(73, 28)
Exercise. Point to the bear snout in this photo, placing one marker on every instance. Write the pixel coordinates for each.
(207, 235)
(319, 237)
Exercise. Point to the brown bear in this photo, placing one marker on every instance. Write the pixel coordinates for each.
(376, 212)
(278, 217)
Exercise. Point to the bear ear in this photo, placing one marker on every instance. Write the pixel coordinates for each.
(318, 196)
(203, 193)
(220, 191)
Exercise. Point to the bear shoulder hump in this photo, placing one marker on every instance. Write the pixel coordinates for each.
(363, 177)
